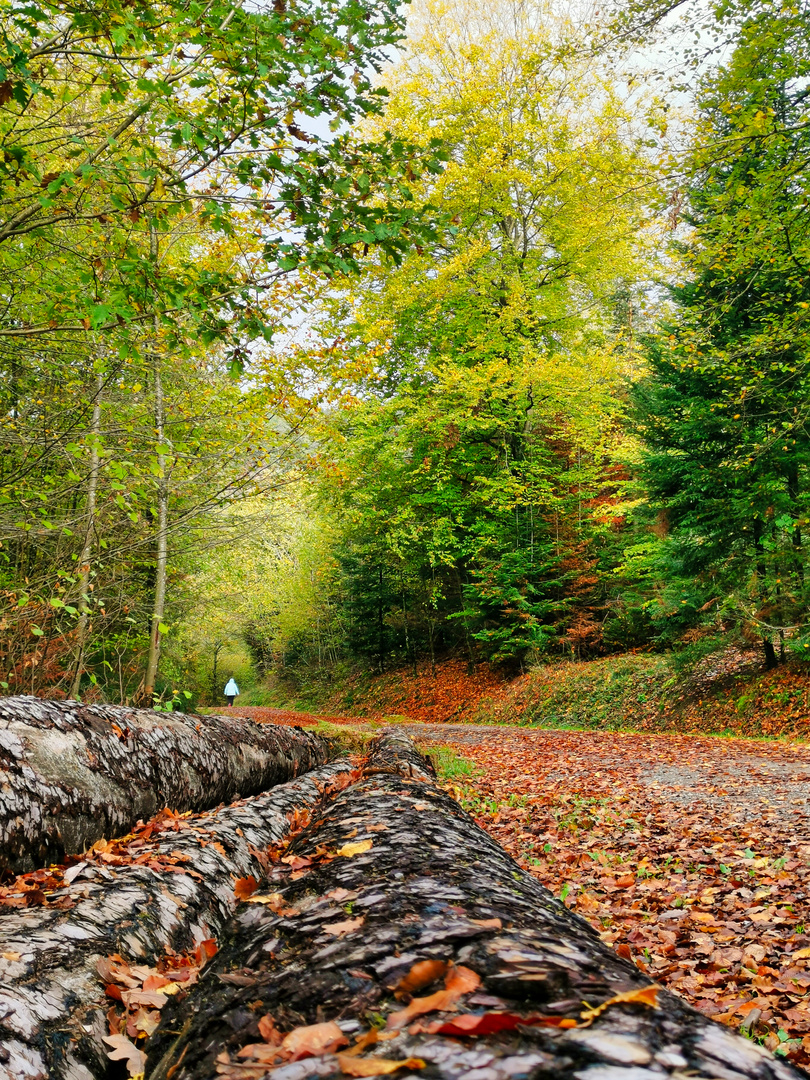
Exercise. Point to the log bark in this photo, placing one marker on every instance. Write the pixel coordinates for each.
(51, 1016)
(430, 887)
(71, 774)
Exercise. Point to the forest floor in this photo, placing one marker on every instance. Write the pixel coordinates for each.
(690, 855)
(727, 693)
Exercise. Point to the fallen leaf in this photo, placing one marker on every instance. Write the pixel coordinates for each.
(368, 1039)
(422, 974)
(458, 982)
(345, 927)
(143, 1022)
(313, 1039)
(492, 1022)
(245, 887)
(73, 872)
(125, 1050)
(373, 1066)
(267, 1055)
(647, 995)
(357, 848)
(478, 1024)
(154, 998)
(340, 894)
(269, 1032)
(205, 950)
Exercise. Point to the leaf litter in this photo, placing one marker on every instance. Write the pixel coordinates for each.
(690, 855)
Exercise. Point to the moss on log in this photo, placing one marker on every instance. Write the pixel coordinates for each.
(71, 774)
(396, 896)
(51, 1016)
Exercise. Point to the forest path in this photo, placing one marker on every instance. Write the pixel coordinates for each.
(691, 855)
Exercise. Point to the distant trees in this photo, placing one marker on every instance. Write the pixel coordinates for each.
(480, 377)
(724, 411)
(164, 169)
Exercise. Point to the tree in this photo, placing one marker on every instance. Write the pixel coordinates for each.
(164, 216)
(141, 128)
(724, 411)
(480, 377)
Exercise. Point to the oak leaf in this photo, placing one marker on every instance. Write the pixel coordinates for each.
(123, 1049)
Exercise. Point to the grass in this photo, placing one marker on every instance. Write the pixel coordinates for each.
(450, 766)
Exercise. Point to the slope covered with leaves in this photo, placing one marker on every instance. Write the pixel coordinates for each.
(725, 693)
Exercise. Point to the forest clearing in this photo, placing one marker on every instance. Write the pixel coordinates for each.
(404, 511)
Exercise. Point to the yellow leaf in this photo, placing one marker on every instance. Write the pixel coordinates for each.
(355, 849)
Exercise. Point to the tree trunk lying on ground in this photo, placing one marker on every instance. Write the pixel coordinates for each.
(71, 774)
(181, 893)
(397, 892)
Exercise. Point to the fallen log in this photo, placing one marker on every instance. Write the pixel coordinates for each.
(71, 774)
(180, 892)
(404, 939)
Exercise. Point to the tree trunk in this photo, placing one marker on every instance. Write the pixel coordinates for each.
(83, 602)
(52, 1002)
(71, 774)
(396, 882)
(147, 692)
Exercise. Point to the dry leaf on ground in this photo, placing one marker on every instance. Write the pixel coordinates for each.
(458, 982)
(371, 1066)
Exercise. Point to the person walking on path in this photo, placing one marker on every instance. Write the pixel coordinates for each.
(231, 691)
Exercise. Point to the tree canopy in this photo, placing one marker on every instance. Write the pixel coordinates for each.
(456, 328)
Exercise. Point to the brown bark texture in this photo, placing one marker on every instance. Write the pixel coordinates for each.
(432, 897)
(52, 1004)
(71, 774)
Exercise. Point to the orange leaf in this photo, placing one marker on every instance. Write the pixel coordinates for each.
(647, 995)
(245, 887)
(205, 950)
(371, 1066)
(313, 1039)
(338, 929)
(269, 1032)
(369, 1039)
(422, 974)
(458, 982)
